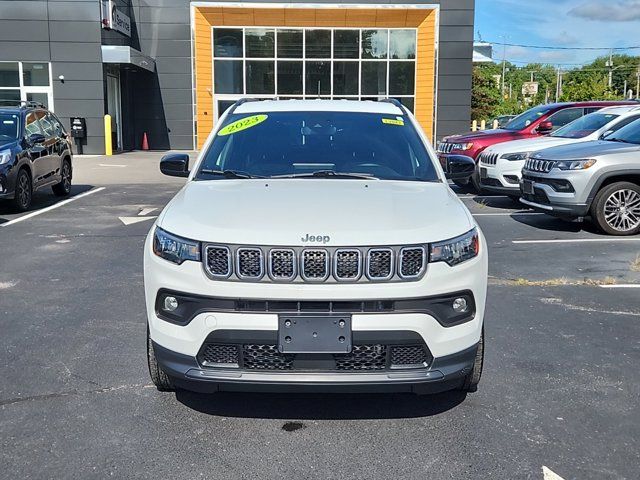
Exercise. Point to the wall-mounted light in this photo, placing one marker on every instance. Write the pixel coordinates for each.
(61, 78)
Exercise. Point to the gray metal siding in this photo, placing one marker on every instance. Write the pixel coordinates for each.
(66, 33)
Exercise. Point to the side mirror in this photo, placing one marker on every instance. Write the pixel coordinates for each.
(459, 167)
(175, 165)
(545, 127)
(36, 138)
(606, 134)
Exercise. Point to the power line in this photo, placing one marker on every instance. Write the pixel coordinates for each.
(546, 47)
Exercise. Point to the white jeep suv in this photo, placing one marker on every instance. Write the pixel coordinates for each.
(316, 245)
(500, 166)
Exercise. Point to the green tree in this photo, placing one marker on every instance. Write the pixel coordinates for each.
(485, 94)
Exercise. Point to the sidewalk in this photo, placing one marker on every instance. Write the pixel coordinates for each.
(123, 168)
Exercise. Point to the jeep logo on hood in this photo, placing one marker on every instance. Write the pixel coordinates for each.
(315, 238)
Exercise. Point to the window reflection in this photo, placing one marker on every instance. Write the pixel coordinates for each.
(289, 43)
(290, 77)
(260, 43)
(402, 44)
(374, 43)
(227, 42)
(260, 76)
(374, 78)
(227, 76)
(318, 78)
(318, 43)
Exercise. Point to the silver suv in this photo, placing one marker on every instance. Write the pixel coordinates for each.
(600, 179)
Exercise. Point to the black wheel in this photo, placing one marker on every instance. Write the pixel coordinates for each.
(616, 209)
(63, 188)
(23, 192)
(472, 379)
(160, 379)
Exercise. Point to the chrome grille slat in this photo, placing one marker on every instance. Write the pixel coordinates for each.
(315, 265)
(445, 147)
(539, 165)
(488, 158)
(348, 264)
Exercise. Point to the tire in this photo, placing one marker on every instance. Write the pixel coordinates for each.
(23, 191)
(616, 209)
(472, 379)
(160, 379)
(63, 188)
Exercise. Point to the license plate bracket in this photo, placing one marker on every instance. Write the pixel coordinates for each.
(483, 173)
(527, 187)
(304, 333)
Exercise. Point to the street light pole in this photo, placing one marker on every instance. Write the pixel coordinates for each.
(504, 62)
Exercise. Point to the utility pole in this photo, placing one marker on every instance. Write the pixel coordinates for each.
(559, 84)
(638, 83)
(504, 62)
(609, 64)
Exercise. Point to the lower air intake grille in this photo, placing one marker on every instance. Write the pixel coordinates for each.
(363, 357)
(249, 263)
(409, 355)
(315, 265)
(282, 264)
(347, 264)
(380, 264)
(265, 357)
(218, 261)
(215, 353)
(412, 261)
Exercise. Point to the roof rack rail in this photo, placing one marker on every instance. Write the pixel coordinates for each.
(21, 103)
(395, 102)
(240, 102)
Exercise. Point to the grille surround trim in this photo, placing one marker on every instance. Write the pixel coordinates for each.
(207, 269)
(327, 266)
(422, 269)
(391, 266)
(238, 265)
(335, 265)
(295, 260)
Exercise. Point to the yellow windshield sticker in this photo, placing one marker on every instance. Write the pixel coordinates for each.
(242, 124)
(391, 121)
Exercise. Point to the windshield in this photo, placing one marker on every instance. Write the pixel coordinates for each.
(317, 144)
(9, 127)
(527, 118)
(585, 125)
(629, 134)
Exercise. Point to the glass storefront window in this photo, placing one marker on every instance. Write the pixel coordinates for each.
(260, 43)
(290, 77)
(373, 78)
(35, 74)
(318, 43)
(9, 74)
(318, 78)
(7, 96)
(227, 76)
(289, 43)
(345, 78)
(374, 44)
(346, 44)
(261, 76)
(402, 44)
(39, 98)
(227, 42)
(402, 78)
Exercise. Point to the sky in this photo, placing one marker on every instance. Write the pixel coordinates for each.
(559, 23)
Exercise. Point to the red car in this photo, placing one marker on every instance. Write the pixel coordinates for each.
(540, 120)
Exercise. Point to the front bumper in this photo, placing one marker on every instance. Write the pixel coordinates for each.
(496, 178)
(445, 373)
(548, 200)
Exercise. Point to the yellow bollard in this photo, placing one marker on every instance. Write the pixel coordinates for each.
(474, 126)
(483, 124)
(108, 148)
(495, 124)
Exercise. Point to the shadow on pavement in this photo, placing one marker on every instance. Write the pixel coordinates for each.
(41, 199)
(547, 222)
(309, 406)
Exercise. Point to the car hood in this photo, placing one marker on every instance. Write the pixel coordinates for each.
(489, 135)
(283, 212)
(585, 150)
(8, 144)
(530, 144)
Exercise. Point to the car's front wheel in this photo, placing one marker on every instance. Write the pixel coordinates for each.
(63, 188)
(616, 209)
(23, 191)
(472, 379)
(160, 379)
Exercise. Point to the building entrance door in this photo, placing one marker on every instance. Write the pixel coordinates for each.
(114, 109)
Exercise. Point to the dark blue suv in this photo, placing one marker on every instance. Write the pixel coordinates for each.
(35, 152)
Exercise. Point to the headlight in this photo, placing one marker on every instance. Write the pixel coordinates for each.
(575, 164)
(175, 249)
(462, 146)
(516, 156)
(5, 156)
(456, 250)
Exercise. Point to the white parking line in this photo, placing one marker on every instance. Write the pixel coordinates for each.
(468, 195)
(579, 240)
(502, 214)
(52, 207)
(622, 285)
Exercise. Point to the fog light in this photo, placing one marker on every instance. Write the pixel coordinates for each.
(460, 305)
(170, 304)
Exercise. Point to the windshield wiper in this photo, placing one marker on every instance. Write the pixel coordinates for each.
(328, 174)
(227, 173)
(615, 140)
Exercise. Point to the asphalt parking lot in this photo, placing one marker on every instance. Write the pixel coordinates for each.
(560, 390)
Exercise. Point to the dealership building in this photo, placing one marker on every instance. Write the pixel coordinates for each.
(169, 68)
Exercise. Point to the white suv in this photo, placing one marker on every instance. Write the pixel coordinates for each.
(315, 245)
(500, 166)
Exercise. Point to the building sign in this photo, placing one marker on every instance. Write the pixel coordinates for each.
(114, 19)
(530, 89)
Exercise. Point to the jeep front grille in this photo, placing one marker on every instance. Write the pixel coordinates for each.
(444, 147)
(328, 264)
(412, 261)
(315, 265)
(539, 165)
(488, 158)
